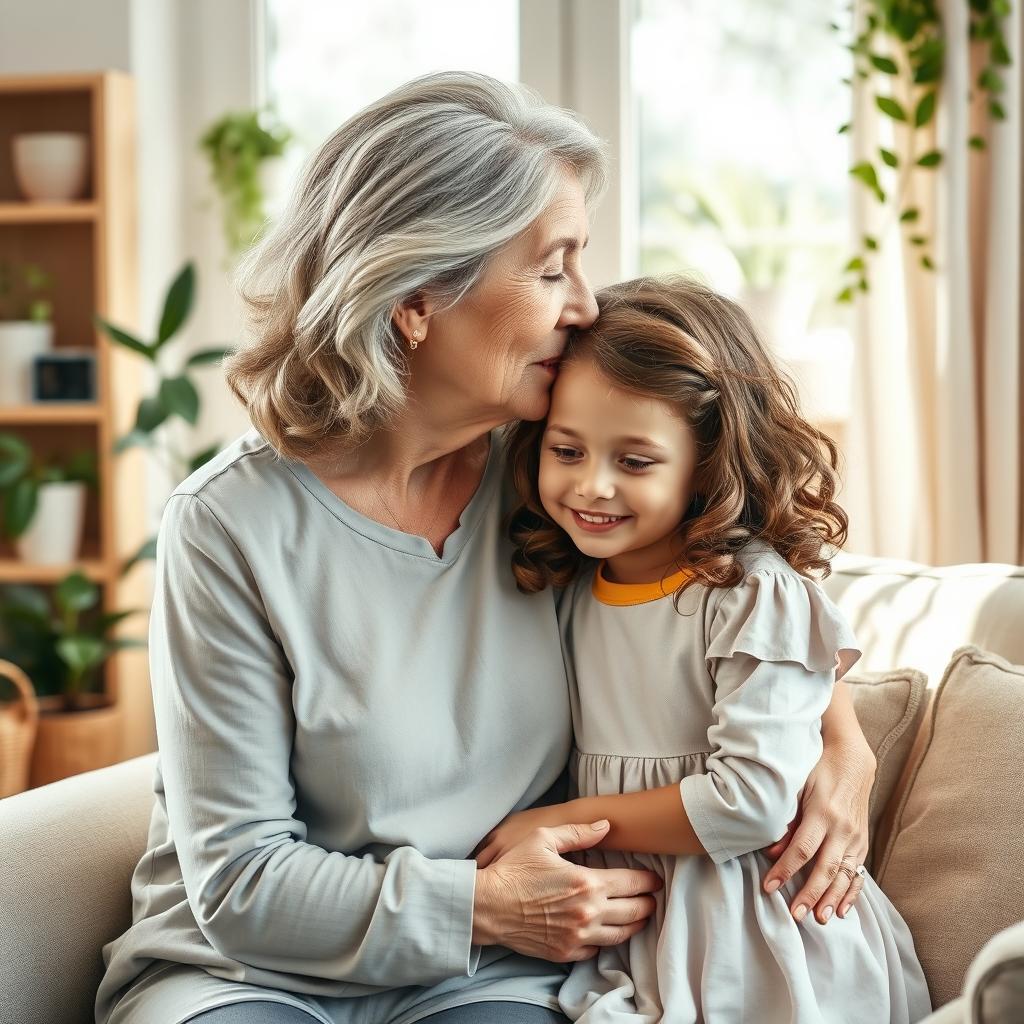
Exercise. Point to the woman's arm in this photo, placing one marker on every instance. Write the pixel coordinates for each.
(261, 893)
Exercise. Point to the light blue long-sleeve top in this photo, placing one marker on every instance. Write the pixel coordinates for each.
(341, 716)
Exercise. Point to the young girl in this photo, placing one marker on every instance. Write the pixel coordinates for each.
(679, 496)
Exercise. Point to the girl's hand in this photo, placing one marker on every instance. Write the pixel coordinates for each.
(832, 823)
(514, 829)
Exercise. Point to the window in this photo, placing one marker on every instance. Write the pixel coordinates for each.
(741, 173)
(327, 60)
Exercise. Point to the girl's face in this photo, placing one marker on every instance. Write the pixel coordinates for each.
(616, 472)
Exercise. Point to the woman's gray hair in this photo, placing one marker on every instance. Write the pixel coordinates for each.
(412, 194)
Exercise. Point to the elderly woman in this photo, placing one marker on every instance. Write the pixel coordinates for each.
(350, 692)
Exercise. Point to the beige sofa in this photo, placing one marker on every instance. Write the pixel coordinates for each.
(67, 850)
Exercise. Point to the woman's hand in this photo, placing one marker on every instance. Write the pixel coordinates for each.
(832, 823)
(532, 900)
(514, 829)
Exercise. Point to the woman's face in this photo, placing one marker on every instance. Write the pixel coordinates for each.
(616, 472)
(493, 357)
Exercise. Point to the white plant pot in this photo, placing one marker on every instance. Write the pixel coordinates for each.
(51, 166)
(55, 534)
(20, 342)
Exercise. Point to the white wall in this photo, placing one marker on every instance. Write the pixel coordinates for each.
(39, 36)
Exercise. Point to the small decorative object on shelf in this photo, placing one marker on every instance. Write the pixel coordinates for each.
(44, 502)
(25, 327)
(51, 167)
(64, 375)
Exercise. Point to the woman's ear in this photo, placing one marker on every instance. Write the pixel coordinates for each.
(412, 318)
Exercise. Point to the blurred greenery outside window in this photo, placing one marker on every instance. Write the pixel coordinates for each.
(742, 176)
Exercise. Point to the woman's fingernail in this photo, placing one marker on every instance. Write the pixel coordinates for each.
(843, 909)
(826, 914)
(599, 826)
(772, 885)
(800, 913)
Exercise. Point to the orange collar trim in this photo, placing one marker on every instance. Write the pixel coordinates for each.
(625, 594)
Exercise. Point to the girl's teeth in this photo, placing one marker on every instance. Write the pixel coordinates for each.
(598, 519)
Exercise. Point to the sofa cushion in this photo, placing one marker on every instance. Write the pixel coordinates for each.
(952, 865)
(889, 707)
(904, 613)
(995, 982)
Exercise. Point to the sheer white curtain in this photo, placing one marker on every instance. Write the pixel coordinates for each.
(935, 459)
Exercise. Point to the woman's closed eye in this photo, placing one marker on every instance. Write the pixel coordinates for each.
(635, 465)
(555, 275)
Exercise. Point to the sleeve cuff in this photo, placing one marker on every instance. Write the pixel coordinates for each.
(462, 956)
(695, 793)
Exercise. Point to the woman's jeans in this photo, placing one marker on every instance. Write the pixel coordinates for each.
(262, 1011)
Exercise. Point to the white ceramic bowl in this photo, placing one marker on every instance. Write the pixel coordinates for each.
(51, 166)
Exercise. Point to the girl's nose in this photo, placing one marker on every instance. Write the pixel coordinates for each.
(595, 483)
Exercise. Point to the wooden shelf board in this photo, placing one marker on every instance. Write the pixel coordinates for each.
(48, 213)
(51, 412)
(66, 82)
(14, 571)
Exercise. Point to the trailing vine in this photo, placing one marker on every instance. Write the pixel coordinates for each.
(903, 46)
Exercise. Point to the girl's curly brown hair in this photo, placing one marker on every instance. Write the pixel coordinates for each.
(762, 472)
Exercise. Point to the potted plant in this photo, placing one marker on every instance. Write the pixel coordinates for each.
(239, 146)
(61, 641)
(44, 501)
(26, 329)
(175, 395)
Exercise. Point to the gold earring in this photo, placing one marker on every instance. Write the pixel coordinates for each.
(415, 340)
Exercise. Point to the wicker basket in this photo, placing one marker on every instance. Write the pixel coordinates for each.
(19, 720)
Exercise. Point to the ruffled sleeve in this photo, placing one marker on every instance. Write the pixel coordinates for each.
(775, 646)
(782, 616)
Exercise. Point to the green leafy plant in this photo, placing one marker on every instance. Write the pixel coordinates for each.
(901, 52)
(22, 474)
(175, 395)
(61, 639)
(23, 289)
(236, 144)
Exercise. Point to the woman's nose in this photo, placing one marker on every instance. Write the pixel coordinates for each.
(581, 310)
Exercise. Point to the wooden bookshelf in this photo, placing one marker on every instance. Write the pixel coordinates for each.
(90, 248)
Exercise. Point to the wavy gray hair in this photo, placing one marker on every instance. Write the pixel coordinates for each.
(412, 194)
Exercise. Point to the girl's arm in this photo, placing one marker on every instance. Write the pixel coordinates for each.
(655, 820)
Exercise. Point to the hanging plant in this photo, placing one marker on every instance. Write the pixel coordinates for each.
(236, 145)
(902, 52)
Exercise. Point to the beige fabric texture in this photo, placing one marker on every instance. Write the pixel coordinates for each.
(67, 855)
(958, 824)
(995, 982)
(890, 707)
(904, 613)
(934, 449)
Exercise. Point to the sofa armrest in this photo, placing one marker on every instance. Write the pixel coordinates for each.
(952, 1013)
(67, 854)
